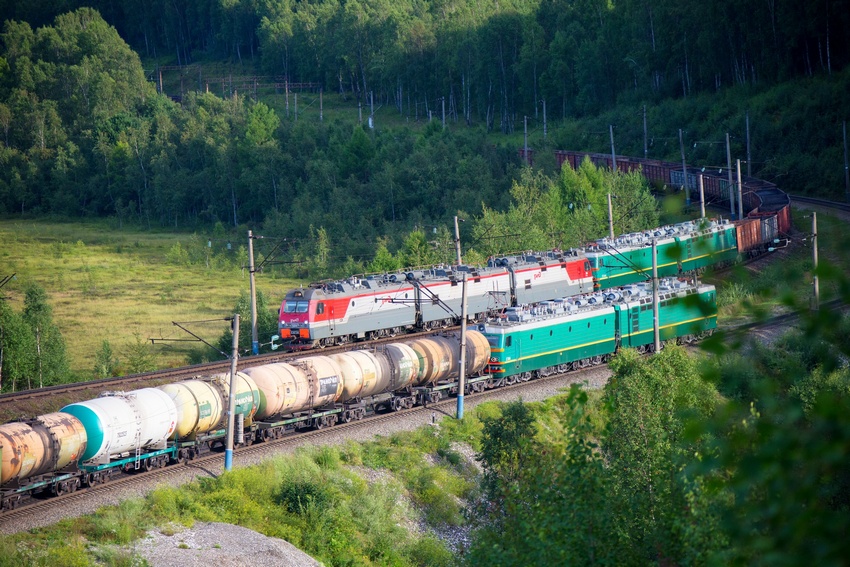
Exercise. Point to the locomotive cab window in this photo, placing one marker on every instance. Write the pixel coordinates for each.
(295, 307)
(320, 308)
(508, 341)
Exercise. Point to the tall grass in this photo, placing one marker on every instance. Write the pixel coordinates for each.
(119, 285)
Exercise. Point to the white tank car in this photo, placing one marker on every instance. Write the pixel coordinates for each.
(120, 422)
(45, 444)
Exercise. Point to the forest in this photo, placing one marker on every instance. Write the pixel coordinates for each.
(87, 130)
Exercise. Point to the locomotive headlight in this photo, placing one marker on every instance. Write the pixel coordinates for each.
(494, 359)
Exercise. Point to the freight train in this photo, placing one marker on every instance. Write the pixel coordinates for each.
(87, 443)
(359, 308)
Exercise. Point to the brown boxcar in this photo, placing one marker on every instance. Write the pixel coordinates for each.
(748, 235)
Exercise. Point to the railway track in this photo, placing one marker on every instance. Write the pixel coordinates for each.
(836, 205)
(79, 391)
(213, 461)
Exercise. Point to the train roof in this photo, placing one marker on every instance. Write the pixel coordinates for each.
(515, 317)
(441, 273)
(643, 239)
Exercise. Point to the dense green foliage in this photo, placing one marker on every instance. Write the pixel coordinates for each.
(734, 460)
(32, 350)
(85, 133)
(492, 61)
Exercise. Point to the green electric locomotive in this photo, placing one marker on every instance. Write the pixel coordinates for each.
(681, 248)
(567, 334)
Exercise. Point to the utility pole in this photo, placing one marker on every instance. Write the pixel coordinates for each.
(729, 170)
(684, 171)
(815, 260)
(461, 385)
(457, 240)
(701, 198)
(655, 323)
(255, 343)
(645, 147)
(610, 218)
(613, 155)
(231, 414)
(740, 193)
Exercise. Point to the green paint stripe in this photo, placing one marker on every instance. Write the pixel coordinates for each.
(607, 339)
(569, 348)
(645, 270)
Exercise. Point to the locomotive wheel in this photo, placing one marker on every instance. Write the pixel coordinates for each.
(59, 489)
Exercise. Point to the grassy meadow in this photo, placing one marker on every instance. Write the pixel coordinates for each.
(124, 286)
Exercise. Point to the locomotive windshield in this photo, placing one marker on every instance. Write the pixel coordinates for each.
(295, 307)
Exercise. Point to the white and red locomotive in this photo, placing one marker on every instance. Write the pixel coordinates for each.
(338, 312)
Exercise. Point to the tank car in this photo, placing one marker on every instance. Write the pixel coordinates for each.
(39, 455)
(202, 411)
